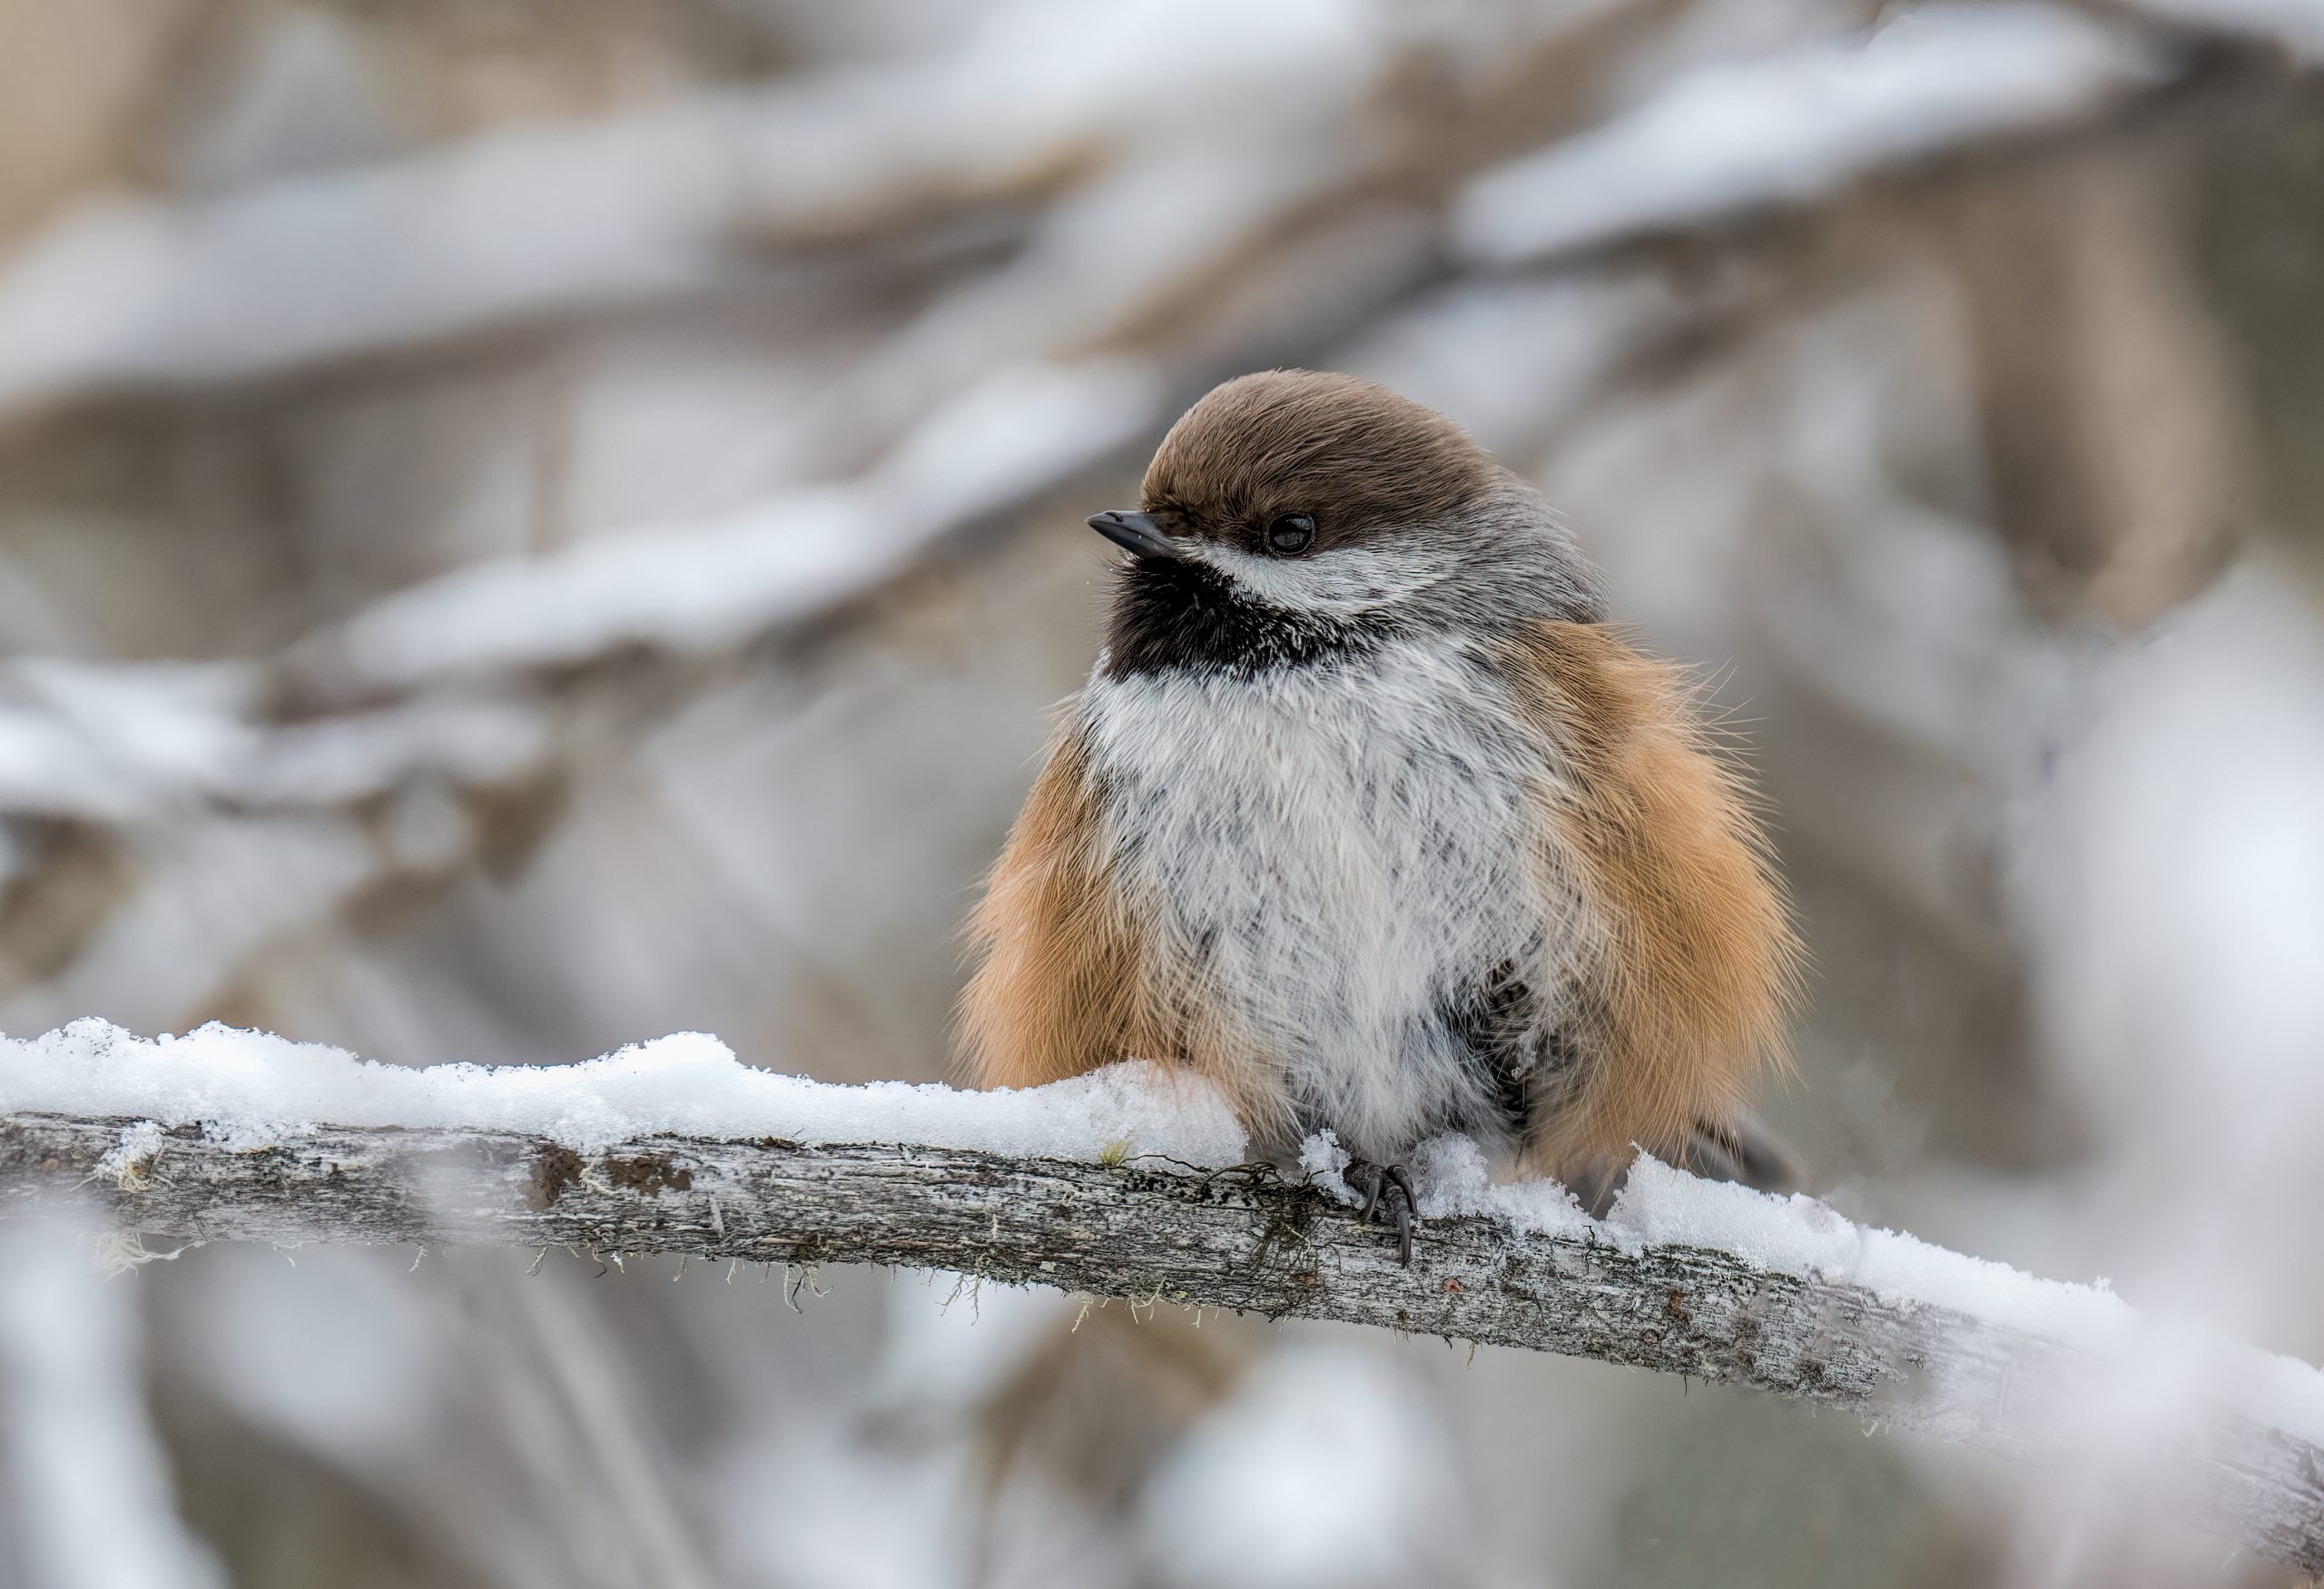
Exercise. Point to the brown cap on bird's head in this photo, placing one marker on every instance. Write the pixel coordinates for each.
(1356, 458)
(1290, 499)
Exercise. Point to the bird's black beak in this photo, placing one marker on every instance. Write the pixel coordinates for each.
(1137, 534)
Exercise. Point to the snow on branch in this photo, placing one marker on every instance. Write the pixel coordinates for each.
(442, 669)
(167, 740)
(127, 743)
(127, 292)
(366, 752)
(1125, 1183)
(1749, 138)
(707, 588)
(1081, 121)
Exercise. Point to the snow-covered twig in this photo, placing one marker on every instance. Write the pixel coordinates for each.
(1102, 115)
(1099, 121)
(1248, 1240)
(789, 563)
(130, 742)
(1094, 1185)
(127, 291)
(1751, 139)
(447, 662)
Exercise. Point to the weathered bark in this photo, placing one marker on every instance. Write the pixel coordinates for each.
(1237, 1238)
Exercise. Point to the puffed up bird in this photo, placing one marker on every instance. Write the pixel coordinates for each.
(1367, 815)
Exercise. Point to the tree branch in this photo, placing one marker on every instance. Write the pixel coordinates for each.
(1243, 1238)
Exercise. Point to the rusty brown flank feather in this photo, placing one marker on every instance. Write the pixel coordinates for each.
(1061, 984)
(1702, 968)
(1055, 990)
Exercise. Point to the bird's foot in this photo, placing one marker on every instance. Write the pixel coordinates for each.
(1387, 1183)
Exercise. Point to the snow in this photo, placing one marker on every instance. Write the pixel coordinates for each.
(1452, 1177)
(533, 220)
(250, 1089)
(1328, 1466)
(702, 586)
(1660, 1206)
(1791, 127)
(92, 1481)
(2167, 875)
(123, 742)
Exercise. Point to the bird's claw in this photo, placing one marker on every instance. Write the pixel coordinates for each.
(1377, 1182)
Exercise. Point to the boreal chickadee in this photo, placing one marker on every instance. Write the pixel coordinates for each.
(1367, 815)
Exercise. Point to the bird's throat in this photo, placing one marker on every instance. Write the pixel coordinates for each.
(1186, 615)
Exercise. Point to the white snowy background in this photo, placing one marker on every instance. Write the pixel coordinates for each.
(528, 528)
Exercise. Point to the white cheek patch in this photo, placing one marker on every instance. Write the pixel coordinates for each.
(1350, 579)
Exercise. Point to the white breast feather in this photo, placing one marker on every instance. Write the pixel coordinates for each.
(1340, 850)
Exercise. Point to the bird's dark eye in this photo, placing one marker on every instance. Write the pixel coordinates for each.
(1289, 536)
